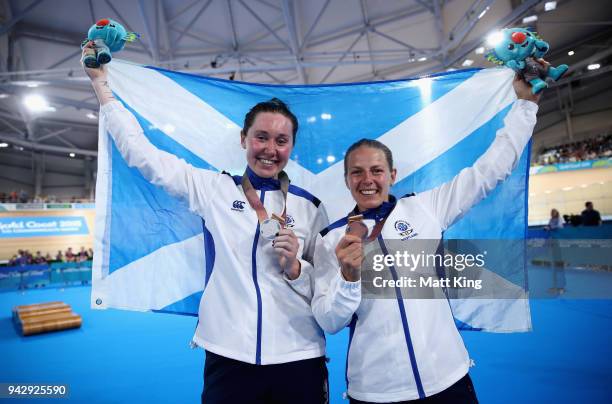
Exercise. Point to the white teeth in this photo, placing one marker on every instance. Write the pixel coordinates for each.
(270, 162)
(368, 191)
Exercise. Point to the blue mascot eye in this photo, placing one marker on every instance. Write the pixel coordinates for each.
(527, 33)
(511, 46)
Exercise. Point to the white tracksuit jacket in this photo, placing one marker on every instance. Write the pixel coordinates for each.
(405, 349)
(249, 311)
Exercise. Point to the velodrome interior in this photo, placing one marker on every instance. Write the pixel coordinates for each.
(48, 169)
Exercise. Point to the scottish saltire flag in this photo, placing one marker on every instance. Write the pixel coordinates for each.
(150, 248)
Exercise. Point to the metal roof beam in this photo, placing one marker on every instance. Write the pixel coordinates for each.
(53, 134)
(366, 23)
(192, 21)
(127, 25)
(350, 48)
(153, 45)
(43, 147)
(5, 28)
(314, 24)
(264, 24)
(374, 22)
(165, 30)
(289, 15)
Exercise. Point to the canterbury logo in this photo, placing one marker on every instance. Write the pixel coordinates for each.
(238, 205)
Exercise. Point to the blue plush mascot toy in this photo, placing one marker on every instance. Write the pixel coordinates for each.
(108, 36)
(519, 50)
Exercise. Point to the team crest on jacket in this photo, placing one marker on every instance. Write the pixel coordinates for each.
(404, 229)
(238, 205)
(289, 221)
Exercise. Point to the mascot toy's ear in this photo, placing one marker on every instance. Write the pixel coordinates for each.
(491, 56)
(131, 36)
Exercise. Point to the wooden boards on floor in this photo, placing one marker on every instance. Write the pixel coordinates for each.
(45, 317)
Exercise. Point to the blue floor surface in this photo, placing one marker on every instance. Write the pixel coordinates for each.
(130, 357)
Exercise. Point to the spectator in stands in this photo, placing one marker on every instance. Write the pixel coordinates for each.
(23, 196)
(90, 254)
(589, 149)
(70, 257)
(48, 257)
(39, 259)
(82, 256)
(555, 221)
(590, 217)
(13, 261)
(59, 257)
(22, 258)
(29, 257)
(13, 198)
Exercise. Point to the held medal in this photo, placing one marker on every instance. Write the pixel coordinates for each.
(269, 229)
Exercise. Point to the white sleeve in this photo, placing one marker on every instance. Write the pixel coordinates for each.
(335, 300)
(451, 200)
(173, 174)
(303, 284)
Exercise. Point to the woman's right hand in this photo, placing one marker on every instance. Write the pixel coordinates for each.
(98, 73)
(349, 252)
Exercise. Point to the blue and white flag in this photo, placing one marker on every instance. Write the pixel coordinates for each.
(149, 247)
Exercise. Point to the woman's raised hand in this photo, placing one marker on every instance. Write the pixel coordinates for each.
(96, 73)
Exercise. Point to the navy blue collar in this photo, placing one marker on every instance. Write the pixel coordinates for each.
(379, 212)
(261, 183)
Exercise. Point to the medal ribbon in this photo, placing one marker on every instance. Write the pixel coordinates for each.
(357, 217)
(255, 202)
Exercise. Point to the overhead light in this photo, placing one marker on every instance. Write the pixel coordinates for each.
(422, 59)
(72, 154)
(37, 103)
(529, 19)
(3, 145)
(480, 50)
(467, 62)
(91, 115)
(32, 84)
(550, 5)
(594, 66)
(3, 95)
(567, 188)
(331, 158)
(311, 119)
(494, 38)
(319, 160)
(570, 53)
(326, 116)
(451, 69)
(483, 12)
(19, 148)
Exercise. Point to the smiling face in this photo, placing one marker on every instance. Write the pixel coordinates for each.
(369, 177)
(268, 143)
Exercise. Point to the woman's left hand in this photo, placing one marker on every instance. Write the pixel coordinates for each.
(523, 90)
(286, 246)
